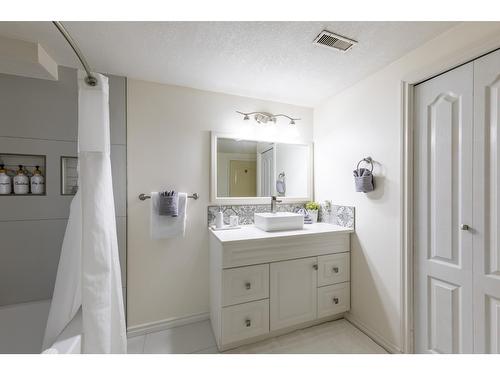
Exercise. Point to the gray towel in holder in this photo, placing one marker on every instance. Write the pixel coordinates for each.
(363, 177)
(169, 205)
(281, 184)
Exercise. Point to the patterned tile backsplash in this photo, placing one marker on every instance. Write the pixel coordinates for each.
(245, 212)
(338, 215)
(330, 213)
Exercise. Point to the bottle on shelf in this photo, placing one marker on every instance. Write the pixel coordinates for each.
(5, 181)
(21, 182)
(37, 182)
(219, 219)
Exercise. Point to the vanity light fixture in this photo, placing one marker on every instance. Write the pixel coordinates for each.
(264, 117)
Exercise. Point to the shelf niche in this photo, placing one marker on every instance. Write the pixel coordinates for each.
(29, 162)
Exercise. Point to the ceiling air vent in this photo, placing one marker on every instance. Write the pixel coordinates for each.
(331, 40)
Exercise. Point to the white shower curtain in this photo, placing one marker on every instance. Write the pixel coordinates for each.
(89, 268)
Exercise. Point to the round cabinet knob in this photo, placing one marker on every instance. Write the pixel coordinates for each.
(464, 227)
(248, 322)
(315, 267)
(248, 286)
(335, 270)
(335, 300)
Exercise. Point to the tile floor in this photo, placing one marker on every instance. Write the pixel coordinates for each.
(337, 337)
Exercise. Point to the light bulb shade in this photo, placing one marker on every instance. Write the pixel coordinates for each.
(262, 118)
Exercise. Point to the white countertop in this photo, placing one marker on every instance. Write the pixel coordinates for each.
(251, 232)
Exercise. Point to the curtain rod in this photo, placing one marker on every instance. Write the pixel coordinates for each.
(90, 79)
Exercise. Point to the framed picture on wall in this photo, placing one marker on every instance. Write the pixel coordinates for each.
(69, 175)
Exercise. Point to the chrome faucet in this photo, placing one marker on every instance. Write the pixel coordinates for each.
(273, 204)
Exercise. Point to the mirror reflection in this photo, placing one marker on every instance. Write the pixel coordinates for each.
(261, 169)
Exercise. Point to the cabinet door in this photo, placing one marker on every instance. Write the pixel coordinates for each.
(293, 292)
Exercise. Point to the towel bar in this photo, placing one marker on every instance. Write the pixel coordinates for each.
(143, 196)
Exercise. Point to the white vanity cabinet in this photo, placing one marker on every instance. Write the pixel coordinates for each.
(263, 284)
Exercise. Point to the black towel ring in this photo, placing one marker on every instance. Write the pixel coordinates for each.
(367, 160)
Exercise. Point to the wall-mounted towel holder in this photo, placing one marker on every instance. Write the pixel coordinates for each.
(143, 196)
(363, 178)
(368, 160)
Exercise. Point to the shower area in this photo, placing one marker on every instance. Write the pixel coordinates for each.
(39, 124)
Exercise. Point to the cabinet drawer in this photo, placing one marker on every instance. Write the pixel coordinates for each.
(333, 269)
(245, 284)
(243, 321)
(333, 299)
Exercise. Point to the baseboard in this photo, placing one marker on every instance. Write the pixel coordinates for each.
(391, 348)
(142, 329)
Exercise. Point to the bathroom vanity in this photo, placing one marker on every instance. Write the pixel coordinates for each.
(264, 284)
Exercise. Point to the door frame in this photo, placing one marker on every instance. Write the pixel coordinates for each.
(407, 87)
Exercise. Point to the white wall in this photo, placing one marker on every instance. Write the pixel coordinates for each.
(367, 120)
(168, 130)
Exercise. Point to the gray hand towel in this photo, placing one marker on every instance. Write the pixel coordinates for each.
(163, 227)
(363, 180)
(169, 205)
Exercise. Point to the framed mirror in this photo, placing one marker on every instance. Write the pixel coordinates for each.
(246, 171)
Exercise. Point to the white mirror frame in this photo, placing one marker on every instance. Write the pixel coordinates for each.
(215, 200)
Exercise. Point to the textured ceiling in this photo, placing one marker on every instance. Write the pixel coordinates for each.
(268, 60)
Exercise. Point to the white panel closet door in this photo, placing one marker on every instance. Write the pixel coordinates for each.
(267, 173)
(443, 204)
(487, 204)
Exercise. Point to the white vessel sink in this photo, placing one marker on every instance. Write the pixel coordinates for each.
(270, 222)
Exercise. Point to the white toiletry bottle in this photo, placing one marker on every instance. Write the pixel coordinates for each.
(21, 182)
(37, 182)
(5, 182)
(219, 219)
